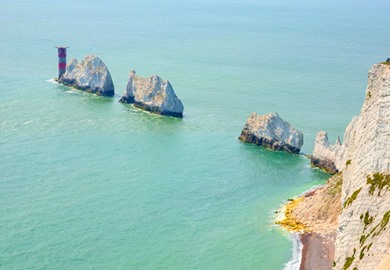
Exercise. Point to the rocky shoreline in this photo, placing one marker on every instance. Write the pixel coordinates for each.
(314, 217)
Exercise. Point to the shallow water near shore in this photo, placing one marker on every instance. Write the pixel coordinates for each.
(87, 182)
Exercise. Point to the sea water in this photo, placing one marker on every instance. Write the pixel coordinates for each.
(90, 183)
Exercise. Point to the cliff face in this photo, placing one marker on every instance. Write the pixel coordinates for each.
(363, 239)
(355, 203)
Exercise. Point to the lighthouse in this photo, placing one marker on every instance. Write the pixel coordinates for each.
(61, 60)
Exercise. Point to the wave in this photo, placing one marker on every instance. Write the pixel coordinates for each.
(295, 261)
(52, 81)
(72, 91)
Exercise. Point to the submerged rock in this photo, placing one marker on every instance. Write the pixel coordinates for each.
(152, 94)
(90, 75)
(273, 132)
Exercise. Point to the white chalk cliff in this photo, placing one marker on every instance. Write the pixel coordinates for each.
(363, 235)
(90, 75)
(271, 131)
(152, 94)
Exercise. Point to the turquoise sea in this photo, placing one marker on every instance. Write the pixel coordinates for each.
(89, 183)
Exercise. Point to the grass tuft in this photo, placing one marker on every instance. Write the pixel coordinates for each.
(353, 197)
(378, 181)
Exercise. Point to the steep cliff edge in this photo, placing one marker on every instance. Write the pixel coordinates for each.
(363, 239)
(362, 201)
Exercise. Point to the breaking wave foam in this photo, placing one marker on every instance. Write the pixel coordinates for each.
(296, 257)
(52, 81)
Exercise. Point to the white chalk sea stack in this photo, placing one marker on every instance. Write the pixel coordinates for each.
(271, 131)
(324, 154)
(152, 94)
(90, 75)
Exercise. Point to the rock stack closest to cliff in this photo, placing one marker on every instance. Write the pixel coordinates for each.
(90, 75)
(271, 131)
(152, 94)
(324, 154)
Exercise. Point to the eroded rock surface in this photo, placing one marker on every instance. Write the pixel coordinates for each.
(324, 154)
(363, 234)
(355, 203)
(152, 94)
(90, 75)
(363, 239)
(271, 131)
